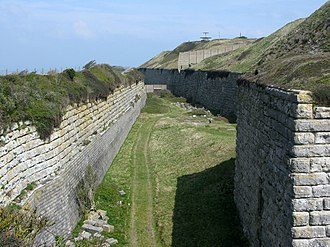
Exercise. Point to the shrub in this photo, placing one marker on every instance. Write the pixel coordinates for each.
(166, 94)
(199, 112)
(18, 227)
(70, 73)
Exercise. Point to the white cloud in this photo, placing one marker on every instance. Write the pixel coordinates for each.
(82, 29)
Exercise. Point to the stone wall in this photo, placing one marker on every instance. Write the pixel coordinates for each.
(215, 91)
(189, 58)
(90, 134)
(155, 88)
(282, 178)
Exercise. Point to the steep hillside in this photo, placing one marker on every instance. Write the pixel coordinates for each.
(302, 58)
(155, 61)
(169, 59)
(245, 59)
(296, 56)
(43, 98)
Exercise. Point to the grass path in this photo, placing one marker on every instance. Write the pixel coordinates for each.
(142, 230)
(177, 172)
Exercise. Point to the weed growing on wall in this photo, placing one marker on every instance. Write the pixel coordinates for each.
(85, 190)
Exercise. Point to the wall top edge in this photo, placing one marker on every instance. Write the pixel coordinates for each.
(209, 73)
(293, 95)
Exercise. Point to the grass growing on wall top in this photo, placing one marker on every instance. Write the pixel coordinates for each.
(42, 99)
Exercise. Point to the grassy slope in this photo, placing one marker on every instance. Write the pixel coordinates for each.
(302, 59)
(42, 98)
(246, 58)
(155, 61)
(169, 59)
(190, 166)
(296, 56)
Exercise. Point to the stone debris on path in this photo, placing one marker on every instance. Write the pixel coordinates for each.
(122, 193)
(91, 228)
(86, 235)
(189, 108)
(94, 225)
(112, 241)
(69, 243)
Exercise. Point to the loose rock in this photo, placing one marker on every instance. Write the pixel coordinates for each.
(91, 228)
(85, 235)
(122, 193)
(108, 228)
(112, 241)
(69, 244)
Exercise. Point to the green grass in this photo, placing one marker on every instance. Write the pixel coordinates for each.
(42, 99)
(245, 59)
(177, 172)
(296, 56)
(179, 150)
(169, 59)
(155, 105)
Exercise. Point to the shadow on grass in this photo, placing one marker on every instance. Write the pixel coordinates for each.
(205, 213)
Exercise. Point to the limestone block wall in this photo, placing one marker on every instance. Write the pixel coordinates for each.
(215, 91)
(186, 59)
(90, 134)
(282, 177)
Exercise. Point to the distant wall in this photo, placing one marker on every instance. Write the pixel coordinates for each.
(282, 177)
(215, 91)
(189, 58)
(155, 87)
(90, 134)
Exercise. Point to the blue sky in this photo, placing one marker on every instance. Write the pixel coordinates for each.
(69, 33)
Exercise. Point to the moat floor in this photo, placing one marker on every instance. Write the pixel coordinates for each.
(176, 170)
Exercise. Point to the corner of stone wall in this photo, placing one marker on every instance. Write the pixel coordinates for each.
(310, 167)
(282, 167)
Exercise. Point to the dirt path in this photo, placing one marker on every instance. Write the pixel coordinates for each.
(142, 223)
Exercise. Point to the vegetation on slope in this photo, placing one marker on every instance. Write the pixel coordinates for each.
(169, 59)
(155, 61)
(42, 99)
(302, 59)
(245, 59)
(296, 56)
(177, 172)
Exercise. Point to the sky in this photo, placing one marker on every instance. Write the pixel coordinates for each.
(58, 34)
